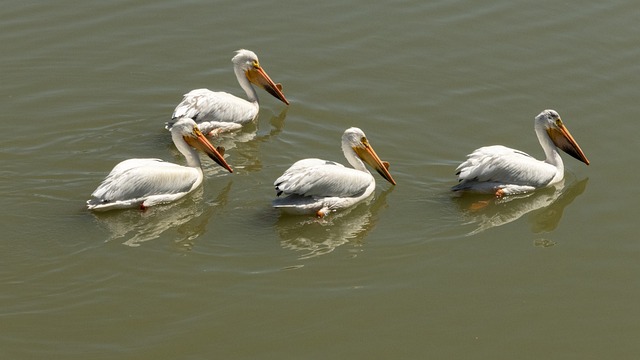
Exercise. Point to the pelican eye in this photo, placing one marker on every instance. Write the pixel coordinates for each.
(255, 63)
(558, 122)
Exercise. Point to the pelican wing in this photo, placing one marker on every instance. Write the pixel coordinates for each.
(140, 178)
(206, 105)
(502, 165)
(316, 177)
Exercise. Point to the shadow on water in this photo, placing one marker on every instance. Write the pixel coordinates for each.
(188, 217)
(251, 134)
(545, 207)
(314, 237)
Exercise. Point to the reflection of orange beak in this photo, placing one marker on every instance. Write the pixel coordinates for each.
(260, 78)
(201, 143)
(368, 155)
(562, 138)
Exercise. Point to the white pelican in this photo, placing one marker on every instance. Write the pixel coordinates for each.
(147, 182)
(226, 112)
(321, 186)
(504, 171)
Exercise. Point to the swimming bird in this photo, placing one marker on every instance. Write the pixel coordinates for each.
(504, 171)
(322, 186)
(147, 182)
(222, 111)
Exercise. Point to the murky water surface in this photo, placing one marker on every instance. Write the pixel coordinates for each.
(412, 273)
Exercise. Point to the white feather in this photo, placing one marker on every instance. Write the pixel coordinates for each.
(316, 177)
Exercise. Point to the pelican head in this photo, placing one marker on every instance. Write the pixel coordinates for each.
(189, 131)
(247, 62)
(355, 139)
(550, 121)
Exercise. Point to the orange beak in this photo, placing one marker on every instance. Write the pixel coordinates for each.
(201, 143)
(259, 77)
(368, 155)
(562, 138)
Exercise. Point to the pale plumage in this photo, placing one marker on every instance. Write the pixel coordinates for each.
(223, 112)
(147, 182)
(505, 171)
(321, 186)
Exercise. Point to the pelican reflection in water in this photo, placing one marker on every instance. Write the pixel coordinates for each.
(313, 237)
(249, 141)
(545, 207)
(182, 222)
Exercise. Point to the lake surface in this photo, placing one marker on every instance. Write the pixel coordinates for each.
(413, 273)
